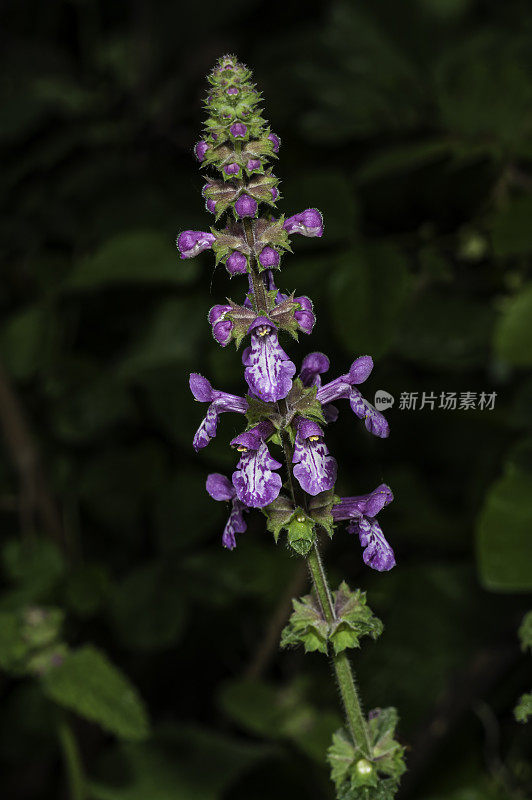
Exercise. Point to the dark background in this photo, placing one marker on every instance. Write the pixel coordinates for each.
(410, 126)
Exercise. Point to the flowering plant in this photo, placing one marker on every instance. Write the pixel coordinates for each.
(287, 408)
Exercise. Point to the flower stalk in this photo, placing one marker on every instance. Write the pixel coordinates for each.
(287, 408)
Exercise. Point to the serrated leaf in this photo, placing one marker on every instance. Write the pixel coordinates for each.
(306, 626)
(354, 619)
(89, 684)
(259, 410)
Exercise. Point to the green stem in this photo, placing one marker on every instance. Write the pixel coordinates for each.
(344, 675)
(72, 759)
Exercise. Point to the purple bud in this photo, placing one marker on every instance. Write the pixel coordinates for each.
(200, 149)
(276, 142)
(238, 130)
(217, 313)
(222, 332)
(201, 388)
(307, 223)
(275, 193)
(269, 257)
(232, 90)
(246, 206)
(360, 369)
(237, 263)
(190, 243)
(231, 169)
(206, 187)
(210, 205)
(304, 316)
(253, 163)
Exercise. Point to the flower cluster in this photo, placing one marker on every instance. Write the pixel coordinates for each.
(283, 406)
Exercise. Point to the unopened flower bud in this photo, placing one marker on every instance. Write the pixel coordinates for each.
(253, 163)
(238, 130)
(275, 141)
(231, 169)
(222, 332)
(305, 316)
(210, 205)
(190, 243)
(246, 206)
(308, 223)
(237, 263)
(269, 257)
(275, 193)
(232, 90)
(200, 149)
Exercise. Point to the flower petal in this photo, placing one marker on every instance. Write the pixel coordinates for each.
(377, 552)
(255, 482)
(219, 487)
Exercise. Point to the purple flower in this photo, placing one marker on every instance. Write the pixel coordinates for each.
(232, 90)
(236, 263)
(253, 163)
(314, 468)
(238, 130)
(313, 365)
(220, 402)
(308, 223)
(210, 205)
(304, 315)
(231, 169)
(246, 206)
(256, 483)
(275, 193)
(344, 387)
(275, 141)
(220, 488)
(373, 419)
(269, 257)
(361, 512)
(221, 327)
(269, 371)
(190, 243)
(200, 149)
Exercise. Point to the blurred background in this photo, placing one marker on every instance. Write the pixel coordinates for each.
(139, 659)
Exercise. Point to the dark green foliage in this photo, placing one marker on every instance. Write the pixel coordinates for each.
(408, 125)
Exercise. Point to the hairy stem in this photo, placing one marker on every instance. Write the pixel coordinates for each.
(342, 667)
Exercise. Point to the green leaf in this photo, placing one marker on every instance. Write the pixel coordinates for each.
(354, 619)
(378, 278)
(426, 337)
(374, 776)
(523, 709)
(87, 683)
(320, 509)
(280, 713)
(306, 626)
(504, 544)
(513, 333)
(170, 338)
(182, 763)
(525, 632)
(133, 257)
(27, 339)
(34, 567)
(148, 607)
(29, 639)
(402, 158)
